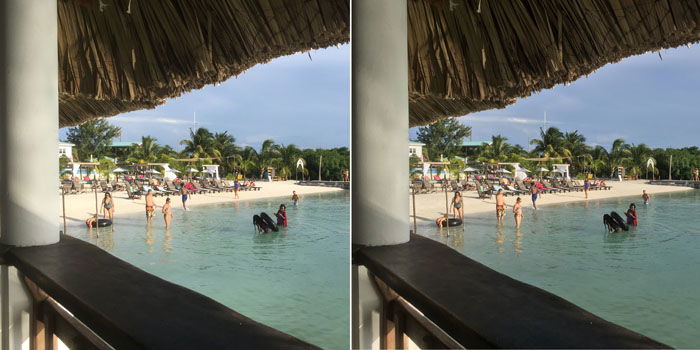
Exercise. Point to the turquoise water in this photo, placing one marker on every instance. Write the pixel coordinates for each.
(647, 279)
(296, 280)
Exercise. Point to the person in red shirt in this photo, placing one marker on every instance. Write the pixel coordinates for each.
(282, 216)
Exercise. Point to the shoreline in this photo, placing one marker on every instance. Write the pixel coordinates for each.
(432, 205)
(80, 206)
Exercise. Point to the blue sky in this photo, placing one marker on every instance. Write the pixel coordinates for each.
(302, 99)
(642, 99)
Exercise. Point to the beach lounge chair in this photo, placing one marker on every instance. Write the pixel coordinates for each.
(571, 186)
(514, 190)
(77, 187)
(132, 194)
(552, 185)
(483, 191)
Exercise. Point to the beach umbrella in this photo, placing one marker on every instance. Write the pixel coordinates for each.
(542, 170)
(503, 171)
(524, 170)
(152, 171)
(192, 170)
(119, 170)
(469, 170)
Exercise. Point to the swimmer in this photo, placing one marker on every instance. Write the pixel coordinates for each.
(282, 216)
(518, 212)
(533, 192)
(645, 197)
(632, 215)
(167, 213)
(441, 221)
(457, 210)
(295, 198)
(500, 206)
(91, 221)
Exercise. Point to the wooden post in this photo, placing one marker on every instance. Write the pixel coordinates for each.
(63, 205)
(447, 210)
(94, 186)
(414, 209)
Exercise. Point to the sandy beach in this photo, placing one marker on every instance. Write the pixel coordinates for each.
(80, 206)
(432, 205)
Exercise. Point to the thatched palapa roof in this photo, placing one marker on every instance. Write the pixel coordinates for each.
(122, 55)
(470, 55)
(464, 55)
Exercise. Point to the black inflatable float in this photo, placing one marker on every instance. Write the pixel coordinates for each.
(268, 220)
(614, 222)
(620, 222)
(454, 222)
(101, 223)
(263, 222)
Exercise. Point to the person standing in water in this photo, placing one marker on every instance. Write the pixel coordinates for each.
(282, 216)
(533, 192)
(456, 206)
(185, 196)
(108, 206)
(150, 206)
(295, 198)
(632, 215)
(167, 213)
(236, 185)
(586, 186)
(500, 206)
(645, 197)
(518, 212)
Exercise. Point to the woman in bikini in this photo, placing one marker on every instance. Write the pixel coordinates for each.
(108, 206)
(457, 205)
(167, 213)
(518, 212)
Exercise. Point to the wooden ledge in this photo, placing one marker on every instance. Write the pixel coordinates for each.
(480, 307)
(132, 309)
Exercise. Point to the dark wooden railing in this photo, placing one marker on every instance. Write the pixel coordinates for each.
(440, 298)
(91, 299)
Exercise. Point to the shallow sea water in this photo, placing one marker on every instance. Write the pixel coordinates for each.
(647, 279)
(295, 280)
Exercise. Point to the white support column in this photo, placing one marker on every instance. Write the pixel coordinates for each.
(28, 122)
(379, 122)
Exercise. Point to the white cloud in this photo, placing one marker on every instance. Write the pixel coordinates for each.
(151, 119)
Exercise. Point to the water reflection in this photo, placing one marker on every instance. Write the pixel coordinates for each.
(500, 239)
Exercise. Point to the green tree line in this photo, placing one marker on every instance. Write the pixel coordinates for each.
(444, 138)
(93, 139)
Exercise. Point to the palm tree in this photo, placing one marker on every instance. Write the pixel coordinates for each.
(201, 144)
(637, 158)
(618, 155)
(148, 151)
(550, 143)
(498, 149)
(268, 155)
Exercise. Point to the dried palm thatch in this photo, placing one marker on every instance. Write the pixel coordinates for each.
(122, 55)
(471, 55)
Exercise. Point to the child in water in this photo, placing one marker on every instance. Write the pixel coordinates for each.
(282, 215)
(645, 197)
